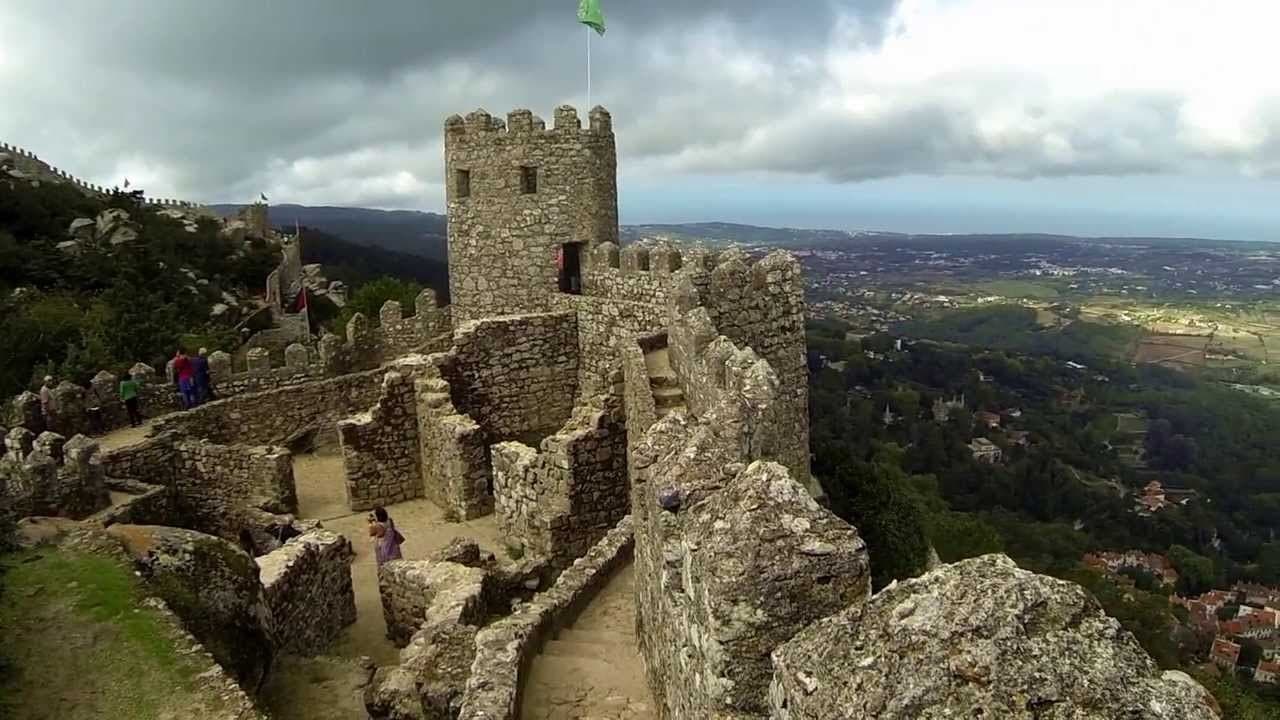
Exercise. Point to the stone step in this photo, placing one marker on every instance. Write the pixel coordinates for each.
(665, 411)
(668, 397)
(667, 380)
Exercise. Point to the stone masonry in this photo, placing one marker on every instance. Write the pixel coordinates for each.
(516, 193)
(307, 586)
(380, 448)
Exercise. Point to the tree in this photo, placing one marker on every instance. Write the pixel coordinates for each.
(873, 498)
(1196, 573)
(369, 298)
(956, 536)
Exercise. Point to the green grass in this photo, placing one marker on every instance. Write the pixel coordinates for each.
(1016, 289)
(79, 643)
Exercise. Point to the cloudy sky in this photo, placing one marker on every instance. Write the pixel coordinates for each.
(1156, 117)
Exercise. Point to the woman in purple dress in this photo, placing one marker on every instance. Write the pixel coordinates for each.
(386, 538)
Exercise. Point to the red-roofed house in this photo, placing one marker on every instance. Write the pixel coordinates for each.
(1266, 672)
(1225, 653)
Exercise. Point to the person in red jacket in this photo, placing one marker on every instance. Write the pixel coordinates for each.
(184, 374)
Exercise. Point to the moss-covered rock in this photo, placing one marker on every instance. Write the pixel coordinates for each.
(214, 587)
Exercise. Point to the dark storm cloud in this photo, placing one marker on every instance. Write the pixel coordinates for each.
(340, 101)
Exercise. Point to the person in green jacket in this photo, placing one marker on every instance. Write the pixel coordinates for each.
(129, 395)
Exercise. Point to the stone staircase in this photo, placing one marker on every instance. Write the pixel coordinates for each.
(667, 395)
(593, 668)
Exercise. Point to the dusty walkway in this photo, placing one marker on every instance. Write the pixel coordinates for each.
(321, 496)
(124, 437)
(593, 670)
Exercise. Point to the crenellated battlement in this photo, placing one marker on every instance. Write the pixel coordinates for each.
(30, 163)
(480, 126)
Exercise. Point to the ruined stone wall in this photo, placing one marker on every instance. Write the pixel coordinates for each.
(380, 449)
(50, 475)
(602, 325)
(212, 487)
(307, 586)
(150, 461)
(456, 469)
(561, 499)
(515, 375)
(212, 483)
(504, 233)
(761, 306)
(274, 417)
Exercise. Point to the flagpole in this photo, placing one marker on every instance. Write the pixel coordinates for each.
(588, 29)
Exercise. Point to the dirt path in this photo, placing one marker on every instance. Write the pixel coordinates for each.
(124, 437)
(593, 668)
(322, 496)
(331, 687)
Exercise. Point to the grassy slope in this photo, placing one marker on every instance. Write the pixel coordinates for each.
(78, 643)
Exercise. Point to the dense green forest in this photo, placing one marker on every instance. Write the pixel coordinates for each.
(913, 483)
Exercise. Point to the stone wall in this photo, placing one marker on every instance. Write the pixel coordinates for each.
(213, 483)
(49, 475)
(70, 404)
(433, 611)
(277, 416)
(456, 469)
(504, 231)
(504, 648)
(398, 335)
(516, 375)
(980, 638)
(560, 500)
(603, 324)
(258, 375)
(380, 449)
(307, 586)
(213, 488)
(733, 557)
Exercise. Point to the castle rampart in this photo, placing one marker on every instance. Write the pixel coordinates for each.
(50, 475)
(30, 164)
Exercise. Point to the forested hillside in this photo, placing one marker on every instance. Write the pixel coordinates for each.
(100, 303)
(71, 309)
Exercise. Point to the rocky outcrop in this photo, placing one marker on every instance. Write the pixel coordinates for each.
(980, 638)
(213, 587)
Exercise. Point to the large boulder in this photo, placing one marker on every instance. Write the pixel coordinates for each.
(213, 587)
(978, 639)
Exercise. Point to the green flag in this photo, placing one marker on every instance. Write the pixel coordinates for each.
(590, 14)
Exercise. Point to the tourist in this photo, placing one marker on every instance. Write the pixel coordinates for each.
(386, 538)
(200, 366)
(46, 400)
(129, 396)
(184, 376)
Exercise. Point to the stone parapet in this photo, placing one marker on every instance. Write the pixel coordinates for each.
(49, 475)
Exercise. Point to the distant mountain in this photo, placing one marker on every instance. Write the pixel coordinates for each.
(426, 235)
(406, 231)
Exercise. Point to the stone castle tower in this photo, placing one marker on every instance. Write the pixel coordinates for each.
(526, 204)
